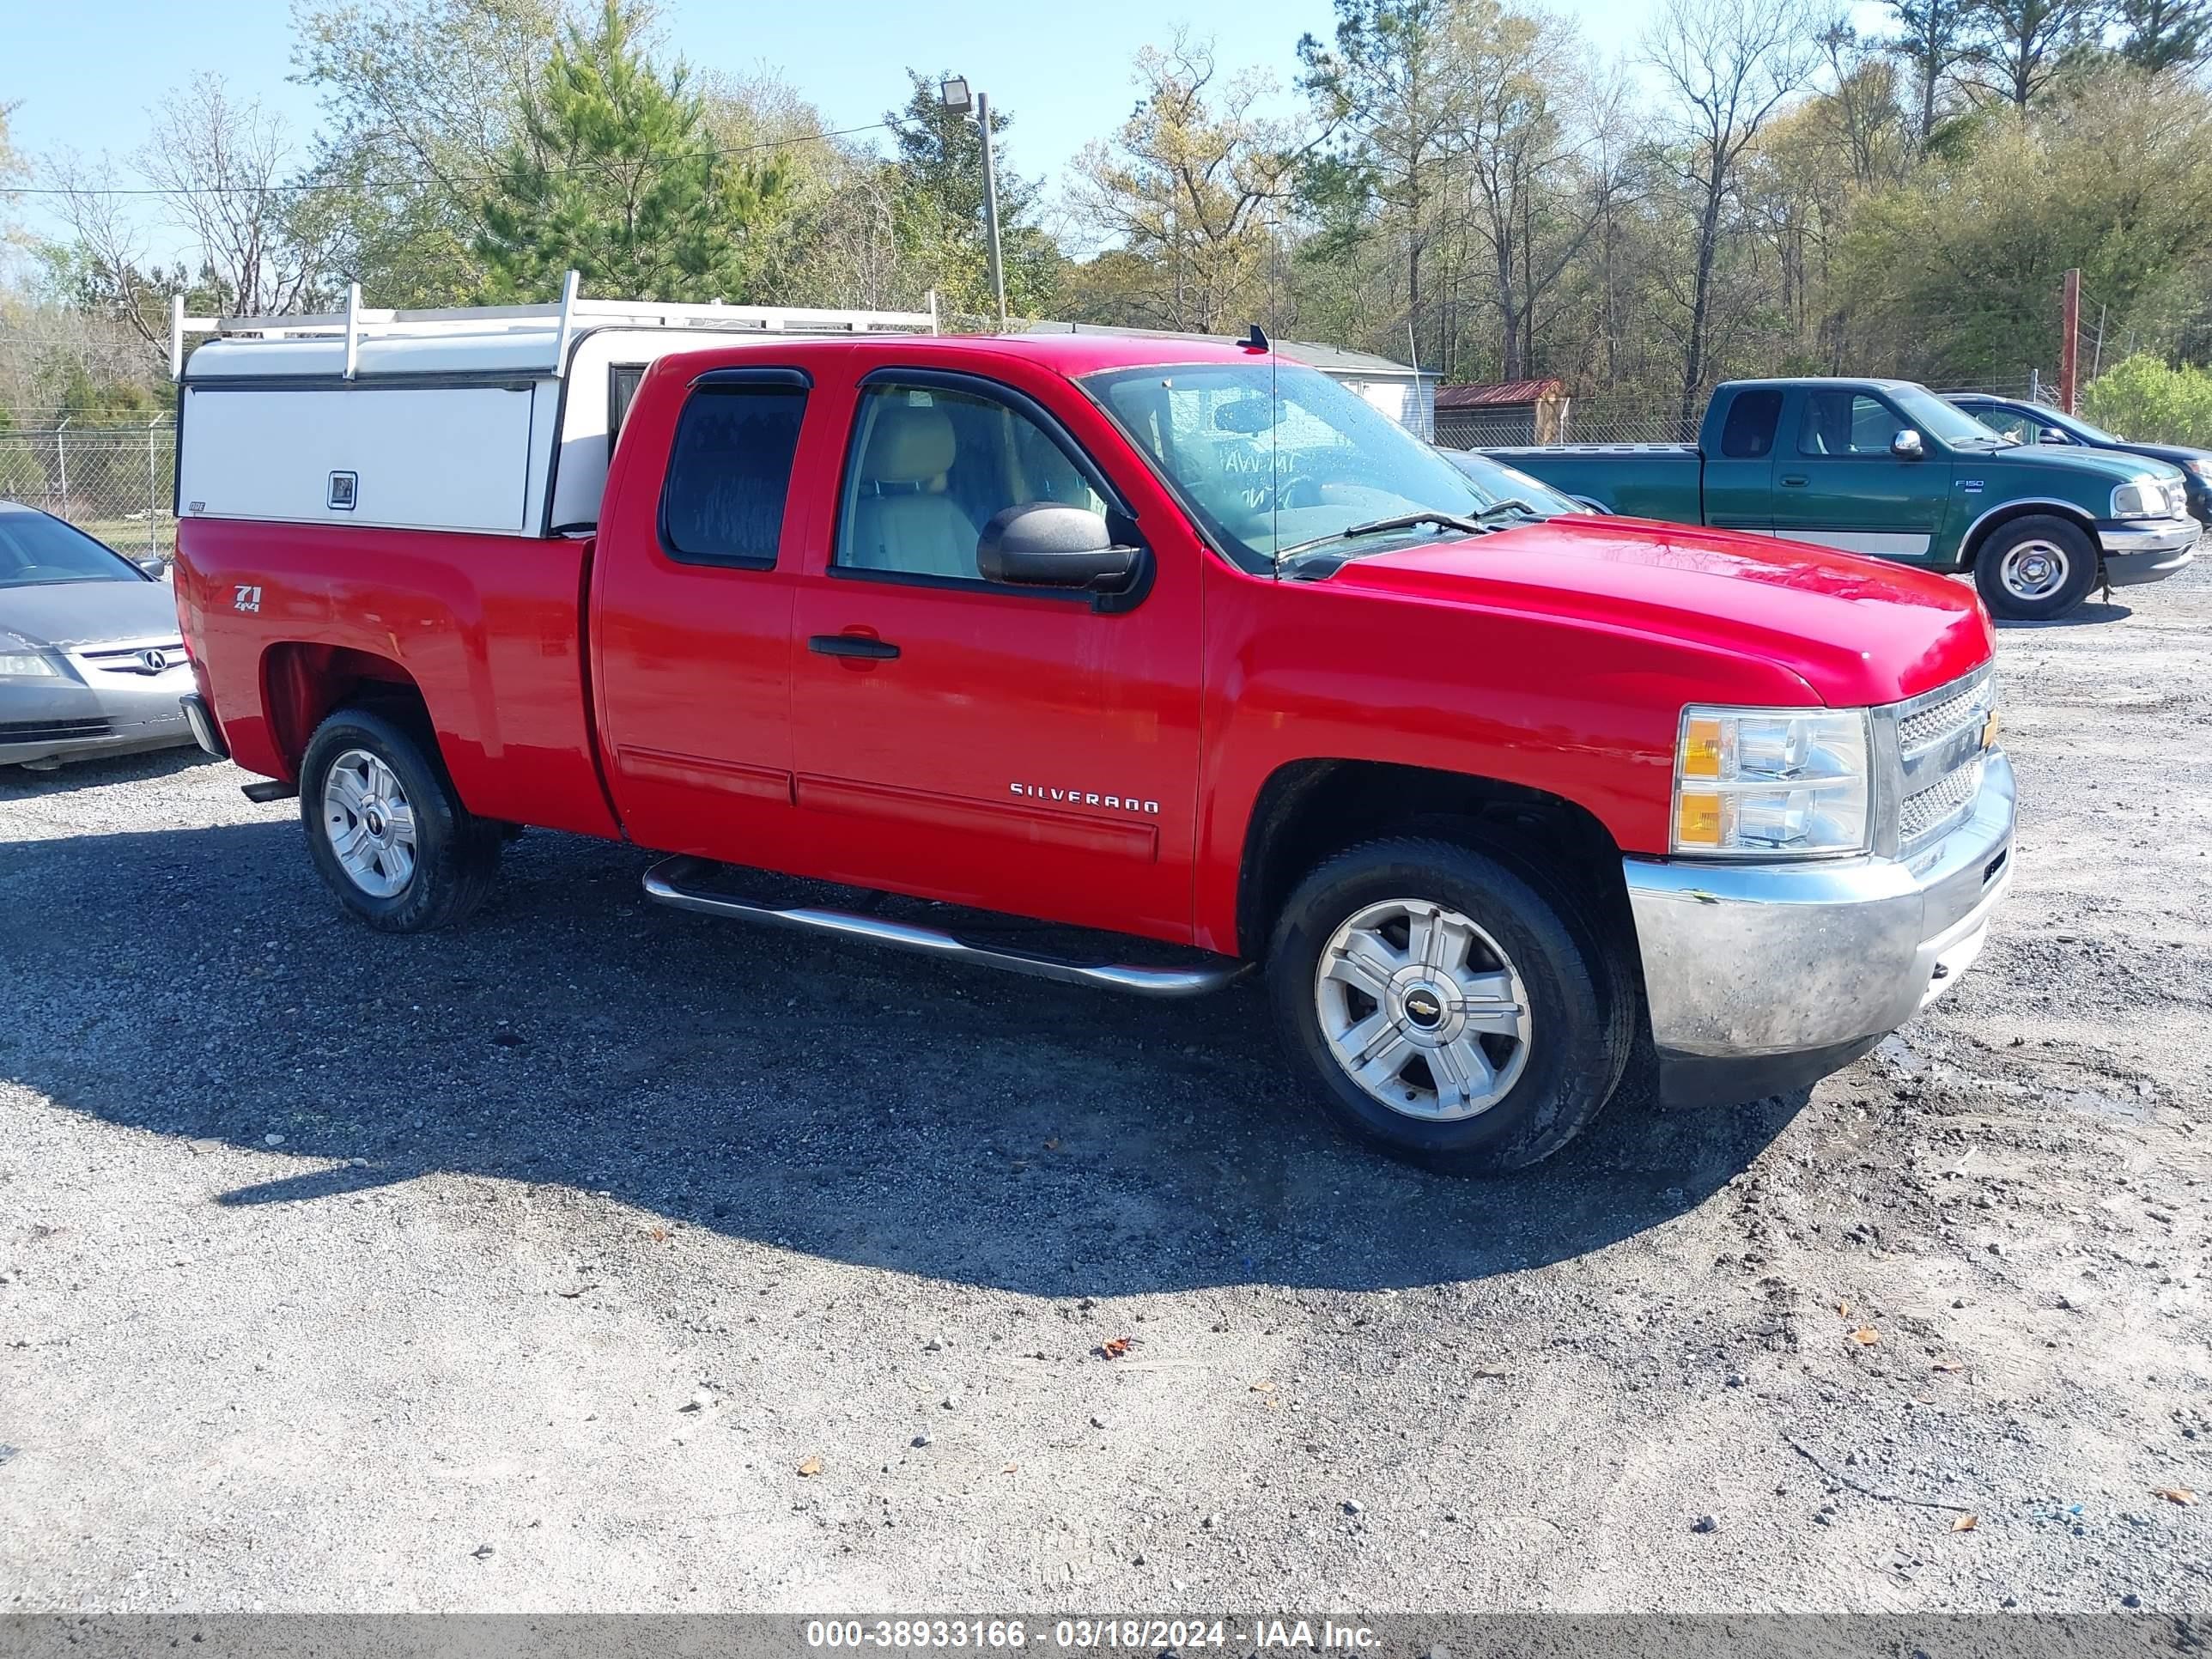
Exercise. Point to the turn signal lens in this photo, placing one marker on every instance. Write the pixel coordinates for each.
(1697, 821)
(1772, 782)
(1701, 748)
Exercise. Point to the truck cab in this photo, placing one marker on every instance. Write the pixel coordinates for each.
(1172, 645)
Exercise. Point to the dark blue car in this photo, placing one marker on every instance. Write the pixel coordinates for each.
(2028, 422)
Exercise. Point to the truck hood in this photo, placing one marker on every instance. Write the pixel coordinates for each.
(2105, 468)
(59, 615)
(1857, 631)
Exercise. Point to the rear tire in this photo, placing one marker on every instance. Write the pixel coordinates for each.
(2035, 568)
(386, 830)
(1448, 1009)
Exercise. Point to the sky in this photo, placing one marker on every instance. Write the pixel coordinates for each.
(82, 75)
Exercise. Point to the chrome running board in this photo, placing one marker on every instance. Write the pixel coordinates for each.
(665, 882)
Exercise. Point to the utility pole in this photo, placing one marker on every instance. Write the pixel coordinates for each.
(2069, 337)
(958, 101)
(991, 209)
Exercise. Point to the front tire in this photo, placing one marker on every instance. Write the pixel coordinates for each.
(1446, 1007)
(2035, 568)
(386, 832)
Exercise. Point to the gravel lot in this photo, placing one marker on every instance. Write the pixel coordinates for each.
(536, 1266)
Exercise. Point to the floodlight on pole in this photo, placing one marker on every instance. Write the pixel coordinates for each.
(960, 100)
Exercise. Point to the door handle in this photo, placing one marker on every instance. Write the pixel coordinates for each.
(852, 645)
(1794, 481)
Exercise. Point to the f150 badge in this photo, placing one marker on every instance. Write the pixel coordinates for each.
(1084, 798)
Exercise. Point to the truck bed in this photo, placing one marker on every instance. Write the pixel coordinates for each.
(1639, 481)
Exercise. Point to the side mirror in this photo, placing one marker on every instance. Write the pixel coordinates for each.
(1048, 544)
(2051, 435)
(1907, 447)
(155, 566)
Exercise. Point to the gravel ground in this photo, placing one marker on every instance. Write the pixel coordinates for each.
(597, 1257)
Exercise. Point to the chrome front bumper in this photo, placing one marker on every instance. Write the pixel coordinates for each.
(1764, 977)
(2147, 552)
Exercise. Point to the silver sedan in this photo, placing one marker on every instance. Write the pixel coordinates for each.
(91, 661)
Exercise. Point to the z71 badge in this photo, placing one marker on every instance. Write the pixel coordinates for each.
(249, 600)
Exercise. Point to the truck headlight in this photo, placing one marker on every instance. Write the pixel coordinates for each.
(25, 666)
(1770, 782)
(2140, 498)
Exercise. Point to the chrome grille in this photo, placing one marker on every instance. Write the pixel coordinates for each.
(1941, 801)
(1930, 726)
(131, 659)
(1939, 756)
(53, 730)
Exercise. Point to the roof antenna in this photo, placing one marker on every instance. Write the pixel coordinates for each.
(1256, 340)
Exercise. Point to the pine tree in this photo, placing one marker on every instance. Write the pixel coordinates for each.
(2163, 34)
(613, 175)
(940, 207)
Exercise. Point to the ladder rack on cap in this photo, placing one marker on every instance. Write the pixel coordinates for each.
(562, 320)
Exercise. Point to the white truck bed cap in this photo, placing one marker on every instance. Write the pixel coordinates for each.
(493, 420)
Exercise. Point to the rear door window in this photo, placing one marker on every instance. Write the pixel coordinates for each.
(1749, 433)
(729, 473)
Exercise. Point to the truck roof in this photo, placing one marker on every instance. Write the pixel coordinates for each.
(1888, 383)
(1070, 355)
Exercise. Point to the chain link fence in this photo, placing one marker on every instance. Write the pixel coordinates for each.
(1586, 421)
(117, 482)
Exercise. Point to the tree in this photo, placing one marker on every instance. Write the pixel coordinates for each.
(939, 160)
(1390, 82)
(835, 239)
(612, 175)
(1728, 64)
(1954, 274)
(220, 165)
(420, 99)
(12, 170)
(2164, 34)
(2029, 44)
(1195, 185)
(1934, 36)
(257, 245)
(1534, 203)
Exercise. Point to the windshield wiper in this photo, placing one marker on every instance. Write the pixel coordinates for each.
(1412, 520)
(1470, 525)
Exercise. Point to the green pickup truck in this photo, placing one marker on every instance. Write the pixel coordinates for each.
(1888, 468)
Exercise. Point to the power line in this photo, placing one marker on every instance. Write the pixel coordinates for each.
(408, 183)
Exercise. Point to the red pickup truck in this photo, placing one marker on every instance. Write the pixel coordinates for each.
(1150, 636)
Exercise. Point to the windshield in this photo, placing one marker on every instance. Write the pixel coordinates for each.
(2079, 428)
(1265, 475)
(35, 549)
(1945, 422)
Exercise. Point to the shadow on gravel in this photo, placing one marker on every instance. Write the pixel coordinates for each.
(18, 781)
(856, 1104)
(2088, 614)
